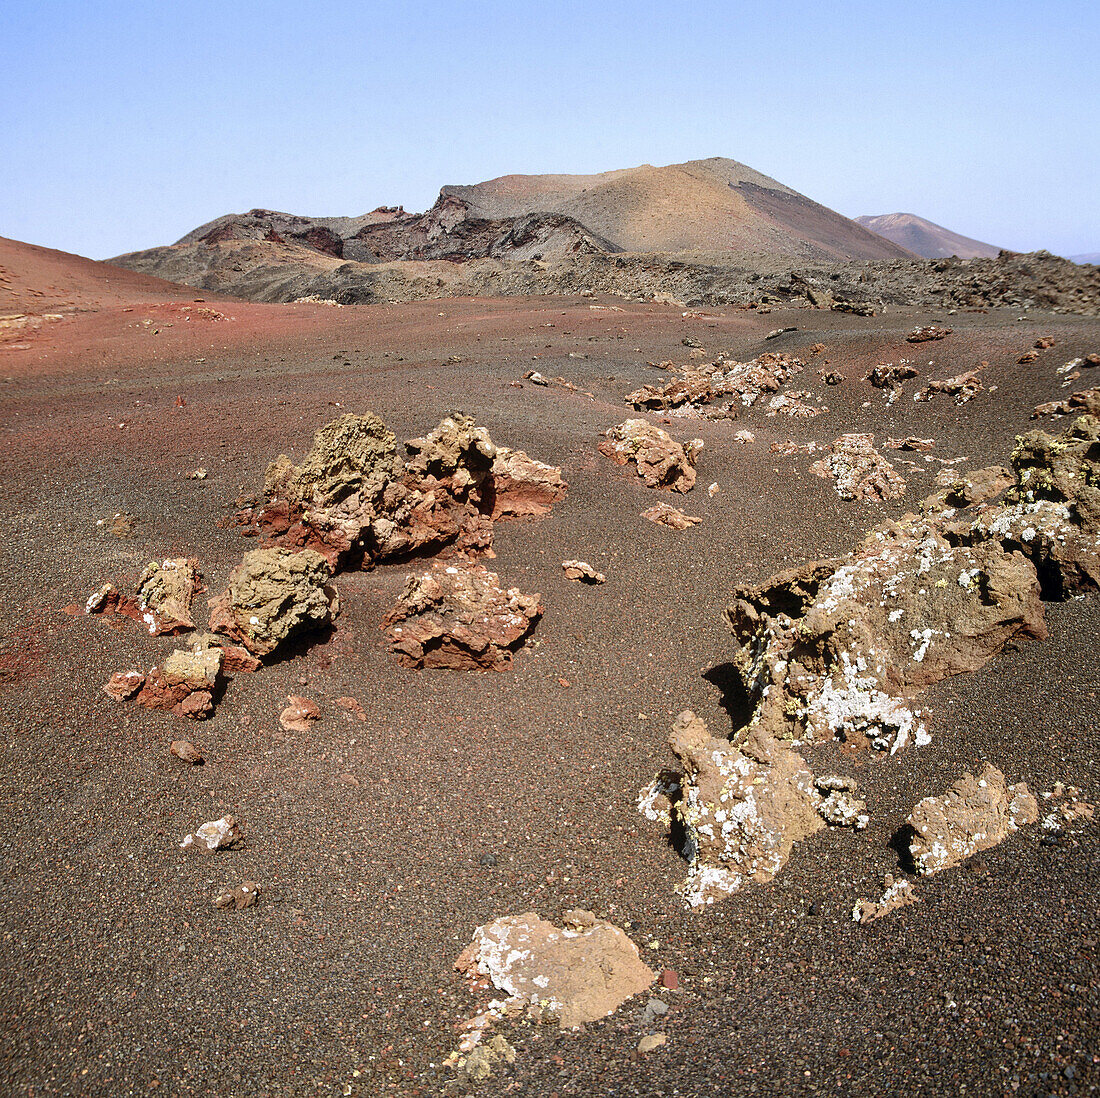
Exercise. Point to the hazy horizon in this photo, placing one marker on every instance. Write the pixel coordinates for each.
(125, 127)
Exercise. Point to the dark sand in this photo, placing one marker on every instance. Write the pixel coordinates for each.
(119, 976)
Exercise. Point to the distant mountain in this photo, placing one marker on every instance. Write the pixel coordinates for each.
(925, 238)
(1087, 257)
(702, 205)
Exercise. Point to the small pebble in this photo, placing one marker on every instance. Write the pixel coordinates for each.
(650, 1042)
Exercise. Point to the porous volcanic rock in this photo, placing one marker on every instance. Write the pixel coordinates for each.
(963, 387)
(897, 893)
(348, 479)
(456, 615)
(859, 470)
(973, 815)
(164, 595)
(273, 595)
(522, 486)
(837, 648)
(717, 390)
(1085, 401)
(583, 571)
(299, 714)
(355, 495)
(742, 808)
(123, 685)
(184, 683)
(576, 974)
(661, 461)
(927, 332)
(834, 649)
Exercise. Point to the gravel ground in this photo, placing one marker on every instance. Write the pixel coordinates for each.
(119, 977)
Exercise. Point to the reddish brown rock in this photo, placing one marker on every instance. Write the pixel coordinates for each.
(661, 461)
(888, 376)
(927, 332)
(973, 815)
(244, 895)
(521, 486)
(665, 515)
(165, 592)
(299, 714)
(583, 571)
(123, 685)
(186, 752)
(963, 387)
(577, 974)
(456, 615)
(184, 683)
(1085, 401)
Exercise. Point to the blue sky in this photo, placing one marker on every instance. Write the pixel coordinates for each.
(123, 125)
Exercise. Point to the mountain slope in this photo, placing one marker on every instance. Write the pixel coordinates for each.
(701, 205)
(925, 238)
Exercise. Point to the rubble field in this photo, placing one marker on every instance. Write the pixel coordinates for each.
(362, 736)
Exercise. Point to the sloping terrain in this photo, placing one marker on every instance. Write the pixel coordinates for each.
(701, 205)
(423, 804)
(925, 238)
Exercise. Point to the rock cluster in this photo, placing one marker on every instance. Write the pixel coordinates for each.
(717, 390)
(838, 649)
(661, 461)
(354, 495)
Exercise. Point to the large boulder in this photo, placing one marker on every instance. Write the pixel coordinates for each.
(275, 594)
(456, 615)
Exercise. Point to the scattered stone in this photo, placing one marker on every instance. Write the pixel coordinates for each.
(669, 980)
(583, 571)
(888, 376)
(856, 308)
(661, 461)
(713, 490)
(651, 1042)
(1085, 401)
(215, 835)
(184, 683)
(910, 443)
(197, 474)
(963, 387)
(789, 447)
(775, 332)
(299, 714)
(122, 525)
(1028, 357)
(273, 595)
(458, 616)
(665, 515)
(578, 974)
(353, 707)
(899, 893)
(244, 895)
(655, 1008)
(123, 685)
(831, 377)
(187, 752)
(478, 1065)
(1043, 343)
(926, 333)
(744, 437)
(164, 595)
(839, 805)
(859, 470)
(975, 814)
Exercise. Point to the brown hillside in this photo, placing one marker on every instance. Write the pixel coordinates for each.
(925, 238)
(702, 205)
